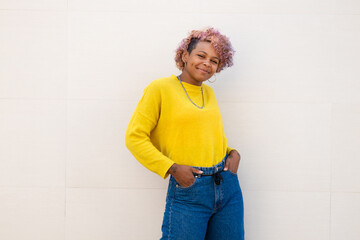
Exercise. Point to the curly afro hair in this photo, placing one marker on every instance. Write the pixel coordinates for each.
(220, 43)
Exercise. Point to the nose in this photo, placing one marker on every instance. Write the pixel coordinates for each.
(206, 63)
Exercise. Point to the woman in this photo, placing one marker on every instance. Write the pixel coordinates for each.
(177, 129)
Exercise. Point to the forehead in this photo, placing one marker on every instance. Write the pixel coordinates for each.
(207, 48)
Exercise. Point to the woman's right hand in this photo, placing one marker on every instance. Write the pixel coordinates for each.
(183, 174)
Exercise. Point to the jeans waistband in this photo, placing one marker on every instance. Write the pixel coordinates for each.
(215, 169)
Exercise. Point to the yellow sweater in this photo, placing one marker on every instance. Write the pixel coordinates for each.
(166, 128)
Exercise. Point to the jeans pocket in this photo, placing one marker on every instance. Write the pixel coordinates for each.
(187, 187)
(189, 194)
(232, 173)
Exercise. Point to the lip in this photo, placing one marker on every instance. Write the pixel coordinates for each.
(202, 70)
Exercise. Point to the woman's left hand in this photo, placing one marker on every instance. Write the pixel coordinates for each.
(232, 161)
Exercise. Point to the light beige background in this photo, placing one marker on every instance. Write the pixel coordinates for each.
(72, 71)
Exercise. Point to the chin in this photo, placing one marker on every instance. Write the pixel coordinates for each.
(202, 79)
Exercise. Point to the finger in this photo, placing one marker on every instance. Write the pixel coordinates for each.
(195, 170)
(227, 164)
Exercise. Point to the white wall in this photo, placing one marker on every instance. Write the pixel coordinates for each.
(72, 71)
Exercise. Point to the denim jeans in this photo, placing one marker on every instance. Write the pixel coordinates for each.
(211, 208)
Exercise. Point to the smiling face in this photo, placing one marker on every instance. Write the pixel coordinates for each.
(201, 63)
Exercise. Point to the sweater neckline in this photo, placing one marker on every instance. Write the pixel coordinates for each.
(188, 86)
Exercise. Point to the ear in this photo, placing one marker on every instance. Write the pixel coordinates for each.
(185, 56)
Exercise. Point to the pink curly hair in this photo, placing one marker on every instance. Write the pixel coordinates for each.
(220, 43)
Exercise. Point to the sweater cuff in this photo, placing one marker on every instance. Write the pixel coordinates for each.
(164, 172)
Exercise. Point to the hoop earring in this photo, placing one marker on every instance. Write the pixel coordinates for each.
(214, 80)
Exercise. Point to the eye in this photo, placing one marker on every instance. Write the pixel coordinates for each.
(202, 56)
(214, 61)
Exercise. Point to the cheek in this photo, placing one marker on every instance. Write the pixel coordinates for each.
(214, 68)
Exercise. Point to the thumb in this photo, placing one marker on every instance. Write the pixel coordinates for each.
(227, 163)
(195, 170)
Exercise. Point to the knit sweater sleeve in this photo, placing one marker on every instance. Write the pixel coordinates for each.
(137, 136)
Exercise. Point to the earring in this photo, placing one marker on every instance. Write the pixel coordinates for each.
(214, 80)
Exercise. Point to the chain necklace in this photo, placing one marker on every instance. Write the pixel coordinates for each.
(189, 96)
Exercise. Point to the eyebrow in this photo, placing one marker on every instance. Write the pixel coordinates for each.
(207, 54)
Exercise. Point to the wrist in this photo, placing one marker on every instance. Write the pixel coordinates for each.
(173, 169)
(234, 152)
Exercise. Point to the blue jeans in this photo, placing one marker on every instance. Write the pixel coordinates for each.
(211, 208)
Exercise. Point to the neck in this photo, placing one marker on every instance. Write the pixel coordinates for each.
(185, 77)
